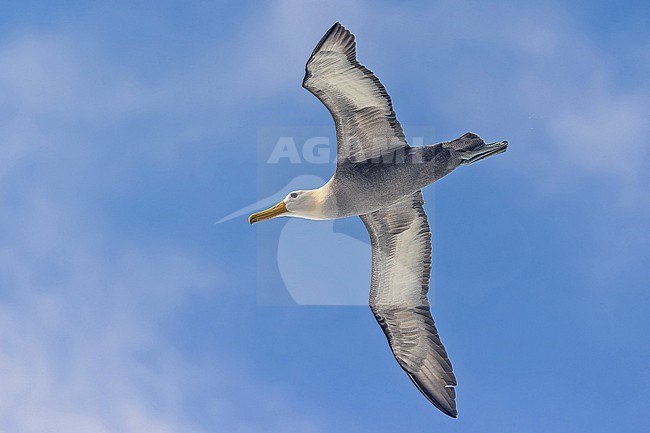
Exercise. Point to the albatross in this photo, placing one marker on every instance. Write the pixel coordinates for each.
(379, 178)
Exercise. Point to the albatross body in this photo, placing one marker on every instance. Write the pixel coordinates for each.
(379, 178)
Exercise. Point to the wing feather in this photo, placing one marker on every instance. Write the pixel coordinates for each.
(366, 125)
(401, 267)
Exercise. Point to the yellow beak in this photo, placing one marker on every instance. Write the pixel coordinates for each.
(276, 210)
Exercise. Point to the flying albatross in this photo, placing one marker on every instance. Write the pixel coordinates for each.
(379, 177)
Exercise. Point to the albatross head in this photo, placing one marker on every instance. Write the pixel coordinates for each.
(309, 204)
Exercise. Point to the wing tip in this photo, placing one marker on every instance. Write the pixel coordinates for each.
(447, 407)
(342, 35)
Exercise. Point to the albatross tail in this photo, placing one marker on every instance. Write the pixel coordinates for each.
(472, 148)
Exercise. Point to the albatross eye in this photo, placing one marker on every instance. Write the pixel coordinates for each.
(294, 194)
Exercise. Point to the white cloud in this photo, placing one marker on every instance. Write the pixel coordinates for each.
(82, 349)
(75, 322)
(81, 307)
(609, 135)
(59, 76)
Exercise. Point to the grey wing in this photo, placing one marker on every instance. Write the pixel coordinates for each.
(366, 126)
(401, 266)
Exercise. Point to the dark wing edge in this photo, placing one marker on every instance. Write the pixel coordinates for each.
(401, 265)
(338, 39)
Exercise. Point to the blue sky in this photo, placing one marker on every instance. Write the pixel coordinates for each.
(127, 130)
